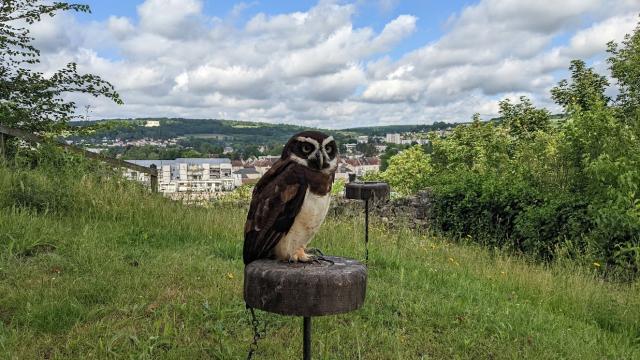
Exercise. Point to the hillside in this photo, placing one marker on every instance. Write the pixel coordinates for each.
(173, 128)
(237, 130)
(98, 268)
(382, 130)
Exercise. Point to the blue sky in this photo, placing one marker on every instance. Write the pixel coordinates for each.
(331, 63)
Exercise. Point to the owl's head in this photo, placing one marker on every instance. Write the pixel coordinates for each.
(313, 149)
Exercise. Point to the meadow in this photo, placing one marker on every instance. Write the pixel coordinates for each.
(94, 268)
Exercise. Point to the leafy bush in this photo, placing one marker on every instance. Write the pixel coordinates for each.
(539, 187)
(408, 171)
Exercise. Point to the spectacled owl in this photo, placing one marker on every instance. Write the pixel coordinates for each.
(291, 200)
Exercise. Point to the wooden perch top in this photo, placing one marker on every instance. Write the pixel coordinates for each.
(305, 289)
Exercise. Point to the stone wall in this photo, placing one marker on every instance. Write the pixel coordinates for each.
(415, 211)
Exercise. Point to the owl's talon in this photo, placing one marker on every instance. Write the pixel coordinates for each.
(322, 258)
(314, 251)
(314, 259)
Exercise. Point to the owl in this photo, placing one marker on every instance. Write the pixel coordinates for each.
(291, 200)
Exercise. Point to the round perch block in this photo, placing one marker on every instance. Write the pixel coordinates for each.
(368, 190)
(305, 289)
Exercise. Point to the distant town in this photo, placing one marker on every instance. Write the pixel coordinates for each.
(224, 162)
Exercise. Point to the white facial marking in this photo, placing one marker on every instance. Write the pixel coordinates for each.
(319, 148)
(299, 160)
(309, 140)
(327, 140)
(312, 155)
(333, 164)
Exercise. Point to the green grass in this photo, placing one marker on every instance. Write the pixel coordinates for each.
(93, 268)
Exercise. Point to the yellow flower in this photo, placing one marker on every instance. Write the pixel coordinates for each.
(230, 275)
(596, 264)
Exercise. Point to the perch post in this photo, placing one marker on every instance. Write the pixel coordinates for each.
(306, 290)
(367, 191)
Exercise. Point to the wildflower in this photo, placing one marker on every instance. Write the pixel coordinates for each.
(230, 275)
(596, 264)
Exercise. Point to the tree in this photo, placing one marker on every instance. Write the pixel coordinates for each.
(624, 64)
(367, 149)
(523, 119)
(28, 99)
(390, 152)
(408, 171)
(585, 90)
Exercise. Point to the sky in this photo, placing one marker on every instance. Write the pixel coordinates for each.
(329, 64)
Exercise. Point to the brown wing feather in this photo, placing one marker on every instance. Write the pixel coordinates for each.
(277, 199)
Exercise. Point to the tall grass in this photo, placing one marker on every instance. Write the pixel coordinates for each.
(95, 267)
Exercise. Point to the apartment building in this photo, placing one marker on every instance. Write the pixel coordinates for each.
(393, 138)
(188, 175)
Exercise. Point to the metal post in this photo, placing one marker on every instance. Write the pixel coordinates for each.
(154, 178)
(306, 346)
(366, 230)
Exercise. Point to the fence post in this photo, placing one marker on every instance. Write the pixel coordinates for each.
(154, 178)
(3, 147)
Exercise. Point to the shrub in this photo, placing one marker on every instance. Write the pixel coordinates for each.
(526, 183)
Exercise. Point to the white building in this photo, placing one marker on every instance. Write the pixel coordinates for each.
(393, 138)
(152, 123)
(361, 166)
(351, 148)
(363, 139)
(183, 175)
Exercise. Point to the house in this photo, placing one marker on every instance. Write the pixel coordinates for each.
(363, 139)
(363, 165)
(263, 163)
(351, 148)
(342, 172)
(248, 175)
(237, 165)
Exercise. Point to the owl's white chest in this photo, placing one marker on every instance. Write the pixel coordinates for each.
(305, 226)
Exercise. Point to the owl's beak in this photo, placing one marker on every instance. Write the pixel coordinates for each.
(320, 159)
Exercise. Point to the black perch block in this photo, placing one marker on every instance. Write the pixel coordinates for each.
(305, 289)
(367, 190)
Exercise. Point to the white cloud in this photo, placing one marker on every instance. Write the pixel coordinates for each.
(317, 68)
(120, 27)
(170, 18)
(593, 40)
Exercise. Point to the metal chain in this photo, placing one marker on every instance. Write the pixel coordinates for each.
(256, 333)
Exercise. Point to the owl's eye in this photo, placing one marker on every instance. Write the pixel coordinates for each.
(306, 148)
(329, 149)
